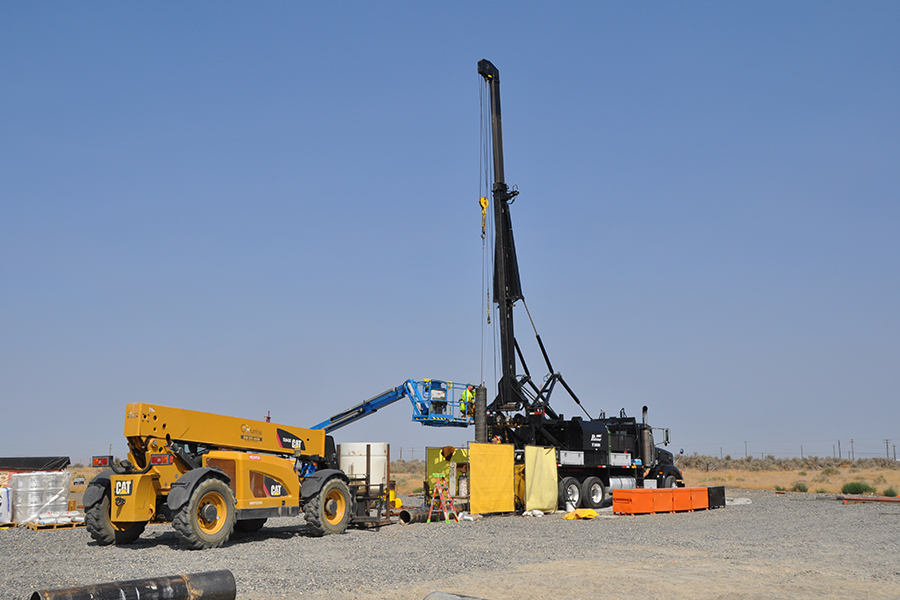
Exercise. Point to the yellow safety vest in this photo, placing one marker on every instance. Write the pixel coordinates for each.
(464, 400)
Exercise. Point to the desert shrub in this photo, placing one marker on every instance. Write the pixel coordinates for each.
(821, 478)
(418, 490)
(408, 466)
(778, 488)
(857, 487)
(821, 491)
(802, 473)
(800, 487)
(854, 469)
(890, 492)
(828, 465)
(880, 479)
(739, 479)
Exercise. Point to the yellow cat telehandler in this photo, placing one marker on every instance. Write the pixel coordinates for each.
(211, 474)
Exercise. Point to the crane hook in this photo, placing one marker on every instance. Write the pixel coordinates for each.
(484, 206)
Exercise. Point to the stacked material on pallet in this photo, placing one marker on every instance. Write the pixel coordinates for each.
(34, 494)
(59, 518)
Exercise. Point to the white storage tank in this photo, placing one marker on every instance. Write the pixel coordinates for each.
(352, 461)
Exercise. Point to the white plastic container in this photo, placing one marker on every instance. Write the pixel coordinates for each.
(353, 461)
(5, 505)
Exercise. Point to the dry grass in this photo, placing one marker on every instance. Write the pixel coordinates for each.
(409, 475)
(817, 481)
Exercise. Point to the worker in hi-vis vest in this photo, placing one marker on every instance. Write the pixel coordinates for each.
(467, 401)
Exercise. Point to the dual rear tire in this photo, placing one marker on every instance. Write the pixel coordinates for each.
(589, 493)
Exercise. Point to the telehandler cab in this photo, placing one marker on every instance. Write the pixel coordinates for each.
(210, 475)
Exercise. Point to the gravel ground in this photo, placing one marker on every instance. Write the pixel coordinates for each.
(777, 546)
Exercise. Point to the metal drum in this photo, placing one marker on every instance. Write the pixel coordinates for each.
(619, 482)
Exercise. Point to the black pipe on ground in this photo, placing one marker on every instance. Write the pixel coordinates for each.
(211, 585)
(413, 515)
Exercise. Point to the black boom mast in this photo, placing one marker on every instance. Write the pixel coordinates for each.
(512, 389)
(507, 287)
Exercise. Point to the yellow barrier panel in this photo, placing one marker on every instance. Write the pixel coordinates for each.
(435, 463)
(491, 478)
(541, 488)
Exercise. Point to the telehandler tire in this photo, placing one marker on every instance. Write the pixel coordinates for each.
(329, 511)
(104, 532)
(207, 519)
(249, 525)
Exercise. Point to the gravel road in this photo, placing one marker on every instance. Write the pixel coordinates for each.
(777, 546)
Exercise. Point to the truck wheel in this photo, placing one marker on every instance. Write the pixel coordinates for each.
(670, 482)
(592, 492)
(249, 525)
(569, 491)
(207, 520)
(328, 511)
(104, 531)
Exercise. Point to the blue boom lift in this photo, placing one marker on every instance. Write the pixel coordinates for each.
(434, 404)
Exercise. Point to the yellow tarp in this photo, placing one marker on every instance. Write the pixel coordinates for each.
(519, 489)
(491, 478)
(435, 463)
(581, 513)
(541, 488)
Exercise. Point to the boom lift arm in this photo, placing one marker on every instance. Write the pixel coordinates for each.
(433, 401)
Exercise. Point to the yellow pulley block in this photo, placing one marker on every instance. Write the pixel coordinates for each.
(484, 206)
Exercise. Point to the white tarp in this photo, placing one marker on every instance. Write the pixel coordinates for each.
(541, 488)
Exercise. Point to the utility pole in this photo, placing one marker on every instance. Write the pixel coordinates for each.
(839, 448)
(887, 449)
(895, 452)
(852, 454)
(745, 450)
(801, 451)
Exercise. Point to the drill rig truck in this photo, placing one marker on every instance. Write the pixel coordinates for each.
(210, 475)
(594, 455)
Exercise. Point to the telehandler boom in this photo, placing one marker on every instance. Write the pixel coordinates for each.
(211, 474)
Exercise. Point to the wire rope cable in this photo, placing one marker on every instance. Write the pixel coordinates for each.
(489, 316)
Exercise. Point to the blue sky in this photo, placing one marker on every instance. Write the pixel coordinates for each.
(242, 208)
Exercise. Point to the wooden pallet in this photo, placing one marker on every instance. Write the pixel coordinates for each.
(36, 527)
